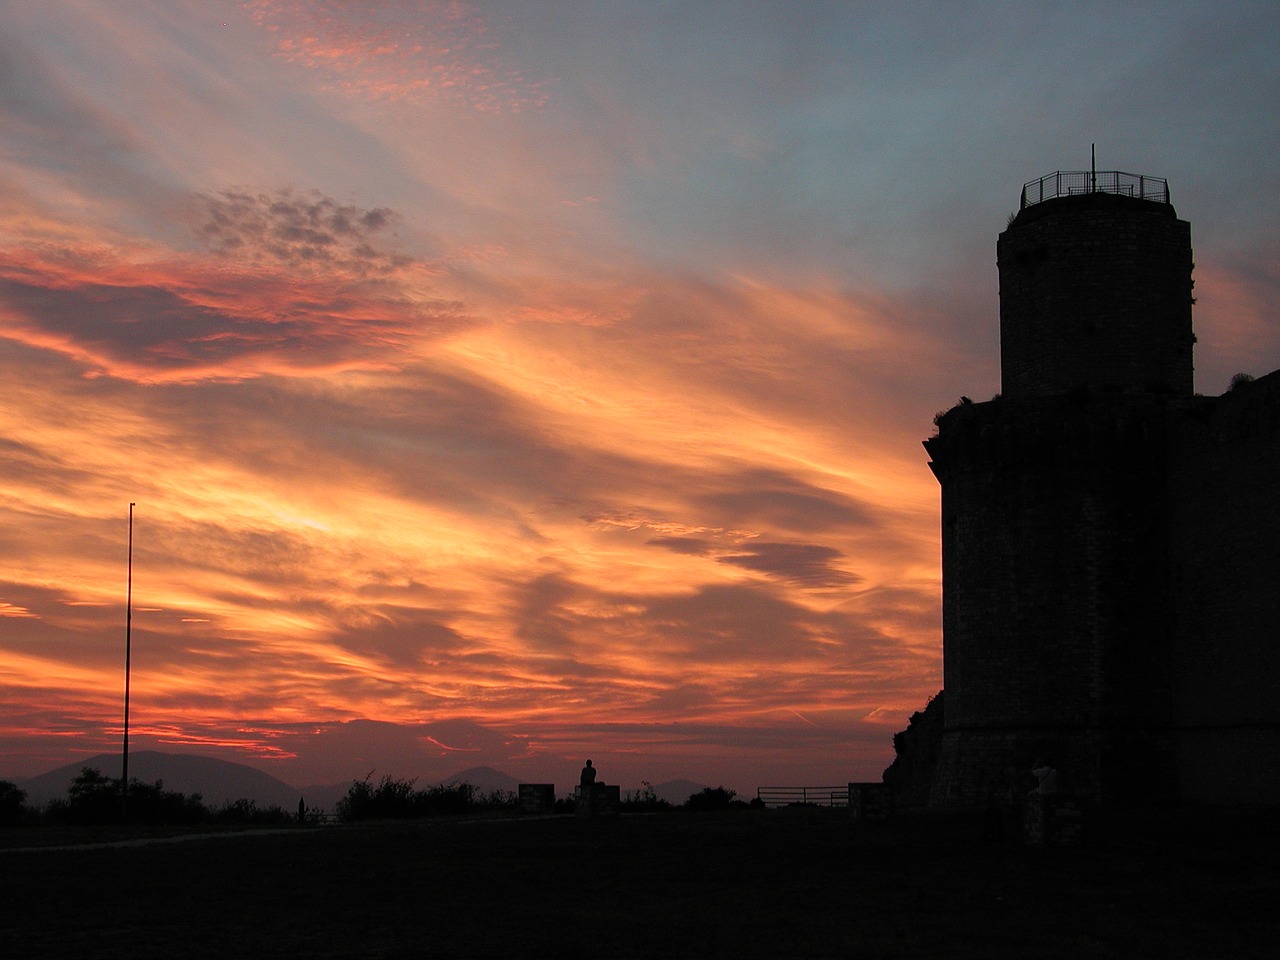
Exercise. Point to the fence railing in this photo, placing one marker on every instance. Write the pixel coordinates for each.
(1069, 183)
(814, 796)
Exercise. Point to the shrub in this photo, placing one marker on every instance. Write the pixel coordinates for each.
(711, 798)
(644, 799)
(392, 799)
(13, 804)
(152, 803)
(96, 798)
(497, 800)
(248, 811)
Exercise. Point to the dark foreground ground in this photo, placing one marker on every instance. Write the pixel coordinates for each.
(785, 883)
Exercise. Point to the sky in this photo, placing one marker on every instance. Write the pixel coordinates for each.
(510, 383)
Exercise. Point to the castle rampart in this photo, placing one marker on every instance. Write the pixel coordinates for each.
(1110, 540)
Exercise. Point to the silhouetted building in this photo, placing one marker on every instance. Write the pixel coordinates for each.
(1110, 540)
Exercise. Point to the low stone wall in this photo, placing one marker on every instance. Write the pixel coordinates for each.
(537, 797)
(1052, 822)
(870, 801)
(600, 800)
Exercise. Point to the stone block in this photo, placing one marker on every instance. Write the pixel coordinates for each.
(537, 797)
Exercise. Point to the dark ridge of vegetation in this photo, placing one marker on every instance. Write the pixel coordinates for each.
(392, 799)
(94, 798)
(644, 800)
(13, 804)
(248, 812)
(712, 798)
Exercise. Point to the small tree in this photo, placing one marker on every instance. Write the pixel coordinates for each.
(13, 803)
(96, 798)
(93, 797)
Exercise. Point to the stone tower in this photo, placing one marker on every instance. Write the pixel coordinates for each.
(1055, 501)
(1095, 290)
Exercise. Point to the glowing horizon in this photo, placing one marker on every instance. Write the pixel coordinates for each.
(500, 382)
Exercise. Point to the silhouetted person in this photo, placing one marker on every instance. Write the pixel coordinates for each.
(1046, 780)
(302, 811)
(586, 789)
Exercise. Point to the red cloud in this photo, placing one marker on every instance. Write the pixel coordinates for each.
(178, 320)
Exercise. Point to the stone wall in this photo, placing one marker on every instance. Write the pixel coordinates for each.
(1226, 594)
(1055, 587)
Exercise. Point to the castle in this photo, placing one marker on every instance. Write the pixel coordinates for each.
(1110, 539)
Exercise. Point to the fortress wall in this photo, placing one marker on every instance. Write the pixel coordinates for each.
(1110, 541)
(1054, 579)
(1225, 535)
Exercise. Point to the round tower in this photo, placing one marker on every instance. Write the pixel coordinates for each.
(1095, 288)
(1055, 566)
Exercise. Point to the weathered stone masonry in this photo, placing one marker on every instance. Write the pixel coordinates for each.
(1111, 542)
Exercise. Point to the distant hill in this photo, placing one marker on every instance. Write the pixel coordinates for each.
(217, 781)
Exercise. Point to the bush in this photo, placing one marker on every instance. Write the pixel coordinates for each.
(152, 803)
(497, 800)
(711, 798)
(13, 804)
(96, 798)
(248, 811)
(393, 799)
(644, 800)
(92, 797)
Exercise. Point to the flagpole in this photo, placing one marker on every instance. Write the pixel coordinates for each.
(128, 652)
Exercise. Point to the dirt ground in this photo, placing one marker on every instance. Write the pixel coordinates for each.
(741, 884)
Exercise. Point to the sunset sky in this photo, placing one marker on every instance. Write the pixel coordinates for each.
(514, 382)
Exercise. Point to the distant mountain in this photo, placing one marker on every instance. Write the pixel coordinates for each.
(217, 781)
(676, 792)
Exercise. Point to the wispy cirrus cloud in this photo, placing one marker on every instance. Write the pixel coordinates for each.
(437, 50)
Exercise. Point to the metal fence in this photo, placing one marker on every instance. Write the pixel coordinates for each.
(814, 796)
(1069, 183)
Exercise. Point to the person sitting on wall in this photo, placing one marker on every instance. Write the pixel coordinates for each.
(588, 778)
(1046, 780)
